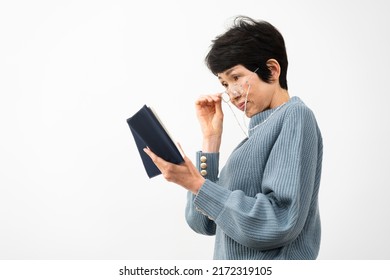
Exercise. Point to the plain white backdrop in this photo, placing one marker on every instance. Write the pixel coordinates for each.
(72, 185)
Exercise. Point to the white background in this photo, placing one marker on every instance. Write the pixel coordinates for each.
(72, 185)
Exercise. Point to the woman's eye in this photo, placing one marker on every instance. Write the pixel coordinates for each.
(235, 78)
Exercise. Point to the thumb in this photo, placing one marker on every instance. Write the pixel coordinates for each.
(218, 103)
(181, 150)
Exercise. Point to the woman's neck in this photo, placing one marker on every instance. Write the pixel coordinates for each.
(280, 97)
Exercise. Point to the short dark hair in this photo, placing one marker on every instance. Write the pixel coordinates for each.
(249, 43)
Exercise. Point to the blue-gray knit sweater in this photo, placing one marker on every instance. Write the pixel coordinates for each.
(264, 203)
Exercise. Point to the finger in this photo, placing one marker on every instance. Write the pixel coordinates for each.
(217, 97)
(152, 155)
(208, 98)
(201, 100)
(205, 103)
(219, 105)
(161, 164)
(186, 159)
(181, 150)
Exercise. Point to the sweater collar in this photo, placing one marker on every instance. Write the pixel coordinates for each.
(264, 115)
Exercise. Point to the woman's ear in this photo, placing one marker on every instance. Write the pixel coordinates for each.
(274, 67)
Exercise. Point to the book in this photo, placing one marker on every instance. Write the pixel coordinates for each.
(149, 131)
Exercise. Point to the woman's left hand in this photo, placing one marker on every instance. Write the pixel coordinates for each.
(184, 174)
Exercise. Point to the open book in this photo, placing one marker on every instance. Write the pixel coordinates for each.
(148, 131)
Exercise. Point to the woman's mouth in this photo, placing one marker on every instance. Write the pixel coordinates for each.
(241, 106)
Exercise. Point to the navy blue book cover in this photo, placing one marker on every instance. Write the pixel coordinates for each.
(149, 132)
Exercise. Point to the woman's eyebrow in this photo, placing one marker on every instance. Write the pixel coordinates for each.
(228, 72)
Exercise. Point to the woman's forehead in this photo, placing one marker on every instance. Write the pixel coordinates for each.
(230, 70)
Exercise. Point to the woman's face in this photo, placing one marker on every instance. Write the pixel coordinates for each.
(246, 90)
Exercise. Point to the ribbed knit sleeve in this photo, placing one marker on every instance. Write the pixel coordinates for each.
(196, 219)
(267, 197)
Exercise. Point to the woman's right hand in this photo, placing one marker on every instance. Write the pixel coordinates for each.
(210, 117)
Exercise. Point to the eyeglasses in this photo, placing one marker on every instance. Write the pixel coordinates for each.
(236, 89)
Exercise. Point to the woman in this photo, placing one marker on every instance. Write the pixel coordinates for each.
(264, 202)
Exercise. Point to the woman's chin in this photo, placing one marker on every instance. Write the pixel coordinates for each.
(248, 114)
